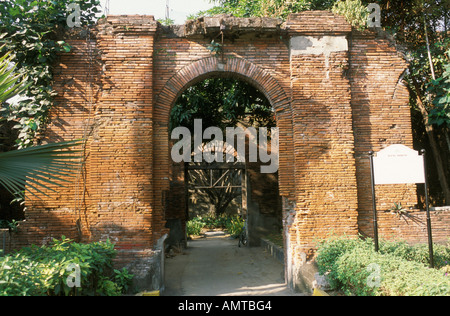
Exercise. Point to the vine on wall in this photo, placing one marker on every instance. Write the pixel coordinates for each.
(31, 30)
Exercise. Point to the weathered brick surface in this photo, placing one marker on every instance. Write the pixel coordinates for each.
(412, 226)
(381, 118)
(317, 23)
(335, 93)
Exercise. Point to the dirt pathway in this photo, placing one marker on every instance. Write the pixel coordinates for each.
(216, 266)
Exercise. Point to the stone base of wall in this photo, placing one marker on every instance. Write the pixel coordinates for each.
(148, 271)
(304, 277)
(276, 251)
(147, 266)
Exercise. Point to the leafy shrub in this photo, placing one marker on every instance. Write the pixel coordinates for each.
(232, 224)
(235, 226)
(194, 226)
(418, 253)
(354, 12)
(398, 269)
(38, 271)
(328, 254)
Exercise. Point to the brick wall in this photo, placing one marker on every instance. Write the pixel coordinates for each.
(412, 226)
(335, 92)
(381, 116)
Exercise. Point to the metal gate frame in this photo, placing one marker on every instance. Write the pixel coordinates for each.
(240, 166)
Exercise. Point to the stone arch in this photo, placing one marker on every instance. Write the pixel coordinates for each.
(211, 66)
(240, 69)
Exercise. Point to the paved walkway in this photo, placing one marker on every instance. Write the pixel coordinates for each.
(216, 266)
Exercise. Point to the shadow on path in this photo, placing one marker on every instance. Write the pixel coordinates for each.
(216, 266)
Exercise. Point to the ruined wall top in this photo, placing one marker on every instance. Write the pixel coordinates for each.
(317, 22)
(304, 23)
(126, 24)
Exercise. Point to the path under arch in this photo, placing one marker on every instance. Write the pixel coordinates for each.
(216, 266)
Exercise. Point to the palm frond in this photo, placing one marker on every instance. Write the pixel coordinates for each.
(10, 85)
(36, 169)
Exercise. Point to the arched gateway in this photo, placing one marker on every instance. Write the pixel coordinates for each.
(336, 94)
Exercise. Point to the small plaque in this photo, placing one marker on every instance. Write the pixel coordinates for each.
(398, 164)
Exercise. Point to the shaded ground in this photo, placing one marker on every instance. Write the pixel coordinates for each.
(216, 266)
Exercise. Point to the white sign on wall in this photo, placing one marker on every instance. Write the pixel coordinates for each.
(398, 164)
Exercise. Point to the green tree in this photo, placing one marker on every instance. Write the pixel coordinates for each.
(221, 197)
(222, 102)
(440, 112)
(422, 28)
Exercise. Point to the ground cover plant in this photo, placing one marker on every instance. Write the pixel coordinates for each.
(51, 270)
(398, 269)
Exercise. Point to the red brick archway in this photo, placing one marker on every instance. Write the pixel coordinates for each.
(240, 69)
(335, 91)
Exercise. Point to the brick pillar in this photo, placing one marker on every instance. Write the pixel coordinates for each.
(121, 150)
(326, 195)
(382, 117)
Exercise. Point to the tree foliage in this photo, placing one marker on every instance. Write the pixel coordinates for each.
(35, 168)
(222, 102)
(353, 11)
(440, 88)
(11, 84)
(267, 8)
(47, 270)
(421, 26)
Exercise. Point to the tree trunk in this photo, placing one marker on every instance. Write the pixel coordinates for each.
(428, 49)
(429, 128)
(434, 146)
(447, 138)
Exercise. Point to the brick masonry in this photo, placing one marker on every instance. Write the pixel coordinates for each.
(336, 94)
